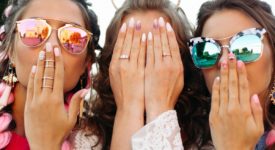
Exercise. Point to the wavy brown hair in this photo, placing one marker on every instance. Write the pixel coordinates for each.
(261, 12)
(192, 108)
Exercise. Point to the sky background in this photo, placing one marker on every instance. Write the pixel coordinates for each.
(105, 11)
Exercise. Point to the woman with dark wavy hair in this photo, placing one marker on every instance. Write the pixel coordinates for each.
(141, 72)
(46, 50)
(234, 46)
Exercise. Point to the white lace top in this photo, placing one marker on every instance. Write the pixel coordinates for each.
(163, 133)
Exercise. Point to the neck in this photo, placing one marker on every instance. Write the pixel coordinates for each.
(18, 108)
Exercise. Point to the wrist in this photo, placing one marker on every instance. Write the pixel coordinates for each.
(45, 146)
(153, 113)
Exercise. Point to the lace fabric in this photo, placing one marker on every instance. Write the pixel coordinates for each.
(162, 133)
(81, 141)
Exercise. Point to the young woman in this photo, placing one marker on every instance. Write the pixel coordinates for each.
(48, 46)
(142, 72)
(234, 47)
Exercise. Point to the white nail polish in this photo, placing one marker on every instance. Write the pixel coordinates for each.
(161, 22)
(123, 27)
(143, 38)
(168, 27)
(150, 36)
(131, 22)
(33, 69)
(41, 55)
(49, 47)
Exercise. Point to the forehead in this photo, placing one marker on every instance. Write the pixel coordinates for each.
(63, 10)
(146, 18)
(226, 23)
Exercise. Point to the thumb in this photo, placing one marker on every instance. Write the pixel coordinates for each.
(257, 110)
(75, 105)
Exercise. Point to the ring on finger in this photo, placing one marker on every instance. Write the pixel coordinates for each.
(166, 54)
(124, 56)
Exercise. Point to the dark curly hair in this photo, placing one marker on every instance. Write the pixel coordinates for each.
(18, 7)
(192, 106)
(261, 12)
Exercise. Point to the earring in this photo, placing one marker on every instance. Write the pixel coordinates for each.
(272, 94)
(6, 86)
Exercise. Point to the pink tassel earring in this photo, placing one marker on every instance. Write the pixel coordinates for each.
(8, 82)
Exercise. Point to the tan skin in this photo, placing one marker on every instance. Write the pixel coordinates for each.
(147, 81)
(43, 104)
(236, 118)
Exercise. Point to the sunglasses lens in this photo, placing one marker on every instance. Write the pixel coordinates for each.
(205, 54)
(33, 32)
(247, 48)
(74, 39)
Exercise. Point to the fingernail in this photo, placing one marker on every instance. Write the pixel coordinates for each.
(56, 51)
(143, 38)
(231, 56)
(123, 27)
(41, 55)
(84, 92)
(49, 47)
(138, 25)
(155, 24)
(150, 36)
(240, 64)
(224, 64)
(131, 22)
(161, 22)
(168, 27)
(255, 99)
(33, 69)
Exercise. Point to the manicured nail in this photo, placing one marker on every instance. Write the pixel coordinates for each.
(155, 24)
(123, 27)
(218, 78)
(49, 47)
(41, 55)
(138, 25)
(231, 56)
(161, 22)
(150, 36)
(143, 38)
(240, 64)
(168, 27)
(224, 64)
(33, 69)
(255, 99)
(56, 51)
(131, 22)
(83, 93)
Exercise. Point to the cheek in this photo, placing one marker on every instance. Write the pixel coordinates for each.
(24, 58)
(74, 68)
(209, 77)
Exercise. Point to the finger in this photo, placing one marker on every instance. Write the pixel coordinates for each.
(39, 73)
(127, 45)
(48, 77)
(243, 86)
(157, 43)
(59, 72)
(224, 87)
(257, 111)
(166, 54)
(142, 51)
(233, 101)
(215, 100)
(119, 43)
(136, 43)
(173, 44)
(150, 60)
(75, 106)
(30, 89)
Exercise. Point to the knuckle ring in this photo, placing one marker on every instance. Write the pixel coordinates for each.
(124, 56)
(166, 54)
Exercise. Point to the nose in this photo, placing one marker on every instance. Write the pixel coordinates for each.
(224, 54)
(53, 38)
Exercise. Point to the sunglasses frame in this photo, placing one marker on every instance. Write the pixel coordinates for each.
(66, 25)
(259, 32)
